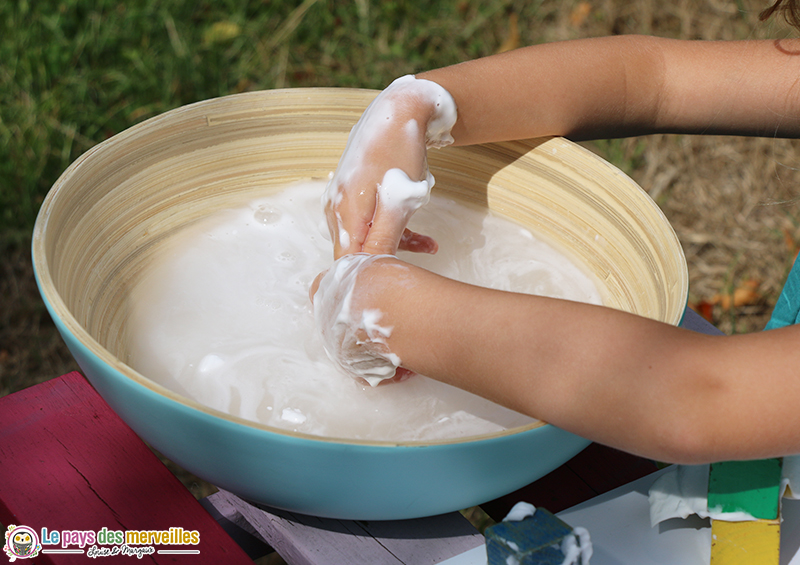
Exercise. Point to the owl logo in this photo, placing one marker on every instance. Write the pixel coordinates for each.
(21, 543)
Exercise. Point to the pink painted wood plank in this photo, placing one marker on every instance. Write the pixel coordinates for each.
(307, 540)
(67, 462)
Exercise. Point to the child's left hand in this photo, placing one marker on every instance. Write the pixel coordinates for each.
(383, 177)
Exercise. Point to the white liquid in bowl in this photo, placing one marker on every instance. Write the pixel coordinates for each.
(223, 317)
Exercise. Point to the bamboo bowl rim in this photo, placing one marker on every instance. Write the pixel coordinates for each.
(87, 190)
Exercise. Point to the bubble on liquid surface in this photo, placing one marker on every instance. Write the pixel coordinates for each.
(293, 416)
(209, 363)
(266, 215)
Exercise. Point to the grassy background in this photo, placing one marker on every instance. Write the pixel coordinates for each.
(75, 72)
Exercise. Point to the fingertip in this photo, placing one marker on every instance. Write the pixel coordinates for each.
(402, 374)
(315, 286)
(418, 243)
(432, 248)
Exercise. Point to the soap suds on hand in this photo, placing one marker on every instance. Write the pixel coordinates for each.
(378, 120)
(354, 339)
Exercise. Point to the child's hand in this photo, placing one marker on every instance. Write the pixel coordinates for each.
(383, 176)
(352, 327)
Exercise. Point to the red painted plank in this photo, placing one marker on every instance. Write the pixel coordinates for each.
(605, 468)
(68, 463)
(558, 490)
(594, 471)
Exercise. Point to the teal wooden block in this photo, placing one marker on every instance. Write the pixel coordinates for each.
(746, 486)
(541, 539)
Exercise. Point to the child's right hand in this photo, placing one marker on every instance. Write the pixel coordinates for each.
(383, 177)
(353, 329)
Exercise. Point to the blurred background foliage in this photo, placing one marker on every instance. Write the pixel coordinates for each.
(74, 72)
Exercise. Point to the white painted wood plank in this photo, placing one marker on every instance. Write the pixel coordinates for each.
(308, 540)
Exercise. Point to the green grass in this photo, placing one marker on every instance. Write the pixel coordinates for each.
(75, 72)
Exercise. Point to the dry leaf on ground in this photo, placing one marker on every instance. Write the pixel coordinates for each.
(512, 39)
(744, 295)
(579, 14)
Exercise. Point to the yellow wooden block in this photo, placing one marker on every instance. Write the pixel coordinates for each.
(745, 543)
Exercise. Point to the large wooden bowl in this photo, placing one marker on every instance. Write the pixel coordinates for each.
(109, 214)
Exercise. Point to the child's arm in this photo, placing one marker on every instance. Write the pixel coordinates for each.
(627, 85)
(593, 88)
(623, 380)
(636, 384)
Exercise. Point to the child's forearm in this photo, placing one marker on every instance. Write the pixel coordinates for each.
(627, 85)
(633, 383)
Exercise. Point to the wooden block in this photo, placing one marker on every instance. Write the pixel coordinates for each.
(745, 543)
(537, 540)
(67, 462)
(308, 540)
(752, 487)
(746, 486)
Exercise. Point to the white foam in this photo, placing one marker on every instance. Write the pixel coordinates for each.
(223, 317)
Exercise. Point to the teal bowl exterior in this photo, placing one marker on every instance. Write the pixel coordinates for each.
(329, 478)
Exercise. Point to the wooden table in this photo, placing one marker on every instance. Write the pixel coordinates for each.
(69, 464)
